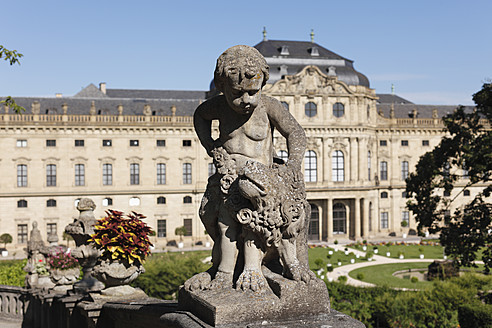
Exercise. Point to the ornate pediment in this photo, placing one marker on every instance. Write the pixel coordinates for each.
(309, 81)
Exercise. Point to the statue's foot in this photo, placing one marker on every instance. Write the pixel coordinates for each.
(251, 279)
(199, 281)
(299, 272)
(221, 280)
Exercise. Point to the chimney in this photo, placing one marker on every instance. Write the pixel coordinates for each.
(102, 87)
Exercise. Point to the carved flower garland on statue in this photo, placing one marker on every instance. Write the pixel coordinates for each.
(124, 242)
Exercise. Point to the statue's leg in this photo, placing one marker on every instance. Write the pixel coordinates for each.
(293, 269)
(252, 277)
(229, 230)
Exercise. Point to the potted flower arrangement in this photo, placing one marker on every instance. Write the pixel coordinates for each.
(124, 242)
(64, 268)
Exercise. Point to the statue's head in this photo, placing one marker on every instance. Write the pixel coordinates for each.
(240, 74)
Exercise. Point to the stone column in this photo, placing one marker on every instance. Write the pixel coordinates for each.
(365, 223)
(357, 218)
(326, 160)
(329, 212)
(363, 159)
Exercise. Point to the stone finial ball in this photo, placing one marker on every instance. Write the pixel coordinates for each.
(240, 57)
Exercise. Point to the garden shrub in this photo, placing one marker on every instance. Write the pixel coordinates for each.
(342, 279)
(11, 273)
(166, 272)
(360, 276)
(474, 315)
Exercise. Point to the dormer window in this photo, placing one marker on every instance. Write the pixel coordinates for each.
(284, 51)
(314, 51)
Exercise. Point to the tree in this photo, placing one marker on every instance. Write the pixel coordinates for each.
(5, 239)
(12, 56)
(180, 231)
(464, 156)
(67, 237)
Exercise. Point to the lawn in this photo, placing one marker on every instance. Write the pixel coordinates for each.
(381, 275)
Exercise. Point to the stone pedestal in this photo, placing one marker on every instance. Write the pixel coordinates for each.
(286, 300)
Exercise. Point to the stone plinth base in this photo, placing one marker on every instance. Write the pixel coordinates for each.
(334, 319)
(286, 300)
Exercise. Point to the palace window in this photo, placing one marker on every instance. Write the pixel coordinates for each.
(466, 192)
(188, 224)
(384, 220)
(383, 170)
(338, 109)
(161, 228)
(107, 143)
(313, 230)
(404, 143)
(283, 155)
(21, 143)
(425, 143)
(51, 175)
(187, 200)
(337, 166)
(107, 201)
(161, 200)
(405, 217)
(51, 143)
(187, 173)
(51, 203)
(211, 169)
(186, 143)
(339, 218)
(134, 201)
(384, 194)
(107, 174)
(21, 175)
(370, 216)
(161, 143)
(310, 166)
(79, 143)
(383, 143)
(134, 174)
(404, 170)
(369, 165)
(286, 105)
(51, 229)
(79, 174)
(310, 109)
(22, 203)
(161, 173)
(134, 143)
(22, 233)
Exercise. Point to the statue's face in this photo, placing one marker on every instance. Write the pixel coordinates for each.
(243, 88)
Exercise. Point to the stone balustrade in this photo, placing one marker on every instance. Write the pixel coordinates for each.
(12, 301)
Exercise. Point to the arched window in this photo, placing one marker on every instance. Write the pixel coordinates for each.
(161, 200)
(339, 219)
(22, 203)
(310, 109)
(187, 199)
(285, 104)
(310, 166)
(369, 165)
(107, 201)
(338, 109)
(337, 166)
(283, 155)
(313, 230)
(384, 194)
(51, 203)
(134, 201)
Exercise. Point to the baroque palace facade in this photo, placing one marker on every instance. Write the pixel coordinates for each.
(136, 150)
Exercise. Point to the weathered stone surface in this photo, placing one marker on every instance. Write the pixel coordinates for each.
(289, 300)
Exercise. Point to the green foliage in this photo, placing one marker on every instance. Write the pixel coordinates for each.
(5, 239)
(165, 272)
(318, 262)
(122, 239)
(12, 56)
(468, 146)
(414, 280)
(474, 315)
(11, 273)
(404, 224)
(180, 231)
(360, 276)
(342, 279)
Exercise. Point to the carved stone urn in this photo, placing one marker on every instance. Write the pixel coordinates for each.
(64, 277)
(87, 255)
(114, 274)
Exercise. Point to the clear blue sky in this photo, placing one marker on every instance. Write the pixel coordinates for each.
(434, 52)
